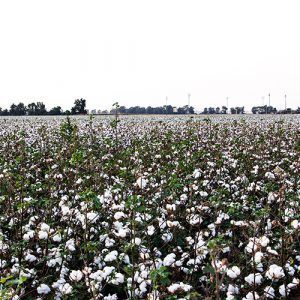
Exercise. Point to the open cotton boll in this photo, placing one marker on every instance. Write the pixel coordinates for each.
(43, 235)
(111, 297)
(111, 256)
(169, 259)
(269, 292)
(251, 278)
(76, 275)
(234, 272)
(251, 296)
(284, 291)
(275, 272)
(30, 258)
(43, 289)
(141, 182)
(66, 289)
(295, 224)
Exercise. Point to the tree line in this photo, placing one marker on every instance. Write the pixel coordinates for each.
(166, 109)
(39, 109)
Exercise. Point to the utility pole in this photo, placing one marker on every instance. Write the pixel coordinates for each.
(227, 104)
(285, 103)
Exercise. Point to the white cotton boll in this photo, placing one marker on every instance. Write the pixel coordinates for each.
(275, 272)
(284, 291)
(166, 237)
(109, 242)
(294, 283)
(136, 241)
(233, 289)
(269, 175)
(169, 259)
(30, 258)
(295, 224)
(111, 256)
(203, 194)
(43, 289)
(118, 279)
(45, 227)
(150, 230)
(171, 207)
(79, 181)
(43, 235)
(254, 277)
(65, 210)
(57, 238)
(121, 232)
(118, 215)
(141, 182)
(29, 235)
(251, 246)
(264, 241)
(92, 217)
(258, 257)
(70, 244)
(290, 269)
(76, 275)
(269, 292)
(143, 287)
(196, 173)
(3, 263)
(251, 296)
(234, 272)
(65, 289)
(173, 288)
(111, 297)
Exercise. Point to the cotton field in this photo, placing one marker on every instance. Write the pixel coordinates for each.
(152, 207)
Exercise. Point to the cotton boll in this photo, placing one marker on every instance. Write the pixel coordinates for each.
(76, 275)
(234, 272)
(251, 296)
(111, 297)
(43, 289)
(150, 230)
(141, 182)
(30, 258)
(111, 256)
(65, 289)
(254, 277)
(169, 259)
(269, 292)
(56, 238)
(275, 272)
(29, 235)
(118, 215)
(284, 291)
(43, 235)
(295, 224)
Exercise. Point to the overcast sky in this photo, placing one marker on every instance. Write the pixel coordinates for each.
(140, 52)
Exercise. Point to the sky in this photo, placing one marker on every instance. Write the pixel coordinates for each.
(139, 52)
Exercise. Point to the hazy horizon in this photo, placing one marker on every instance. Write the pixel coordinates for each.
(140, 52)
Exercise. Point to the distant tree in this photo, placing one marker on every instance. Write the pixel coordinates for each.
(79, 107)
(169, 109)
(205, 111)
(31, 109)
(55, 111)
(224, 110)
(232, 110)
(41, 108)
(149, 110)
(5, 112)
(211, 110)
(17, 110)
(122, 110)
(217, 110)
